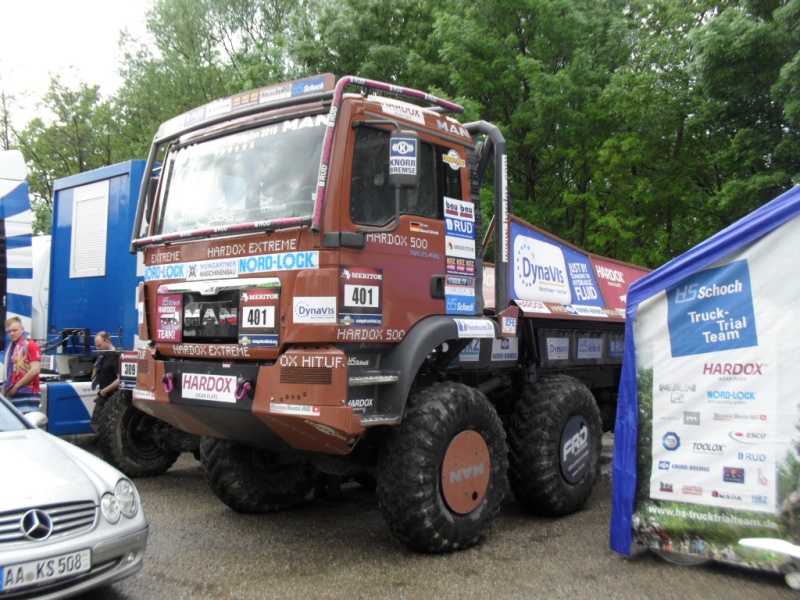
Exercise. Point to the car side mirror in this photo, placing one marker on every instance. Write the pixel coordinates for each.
(37, 419)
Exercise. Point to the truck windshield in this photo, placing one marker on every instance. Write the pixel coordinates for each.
(260, 174)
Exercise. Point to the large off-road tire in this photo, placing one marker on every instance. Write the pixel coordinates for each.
(442, 474)
(125, 436)
(252, 480)
(554, 446)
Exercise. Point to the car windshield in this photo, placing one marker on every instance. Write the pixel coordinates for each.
(261, 174)
(9, 421)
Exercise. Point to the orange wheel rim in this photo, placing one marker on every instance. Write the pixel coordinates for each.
(465, 472)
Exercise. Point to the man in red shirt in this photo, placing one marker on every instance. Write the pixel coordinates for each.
(23, 363)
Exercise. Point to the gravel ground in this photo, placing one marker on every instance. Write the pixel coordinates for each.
(340, 548)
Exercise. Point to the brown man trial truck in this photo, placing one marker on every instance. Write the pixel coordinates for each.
(317, 304)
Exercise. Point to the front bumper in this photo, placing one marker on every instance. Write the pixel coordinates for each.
(113, 558)
(297, 403)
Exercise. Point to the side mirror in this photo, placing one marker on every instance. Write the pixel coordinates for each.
(403, 159)
(37, 419)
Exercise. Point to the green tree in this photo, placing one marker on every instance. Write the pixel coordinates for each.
(752, 149)
(538, 69)
(201, 50)
(376, 39)
(75, 136)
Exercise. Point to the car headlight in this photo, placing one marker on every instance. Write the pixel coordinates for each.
(124, 501)
(127, 498)
(109, 506)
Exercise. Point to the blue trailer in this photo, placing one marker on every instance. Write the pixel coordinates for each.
(69, 286)
(92, 287)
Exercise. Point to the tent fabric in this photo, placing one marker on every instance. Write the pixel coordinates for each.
(745, 231)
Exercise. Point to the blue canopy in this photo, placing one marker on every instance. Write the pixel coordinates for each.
(745, 231)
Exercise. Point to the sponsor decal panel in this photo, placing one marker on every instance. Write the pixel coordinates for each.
(360, 297)
(229, 268)
(616, 346)
(590, 348)
(472, 352)
(403, 156)
(712, 311)
(314, 309)
(505, 349)
(459, 256)
(216, 388)
(477, 328)
(545, 270)
(558, 348)
(258, 325)
(304, 410)
(169, 318)
(722, 407)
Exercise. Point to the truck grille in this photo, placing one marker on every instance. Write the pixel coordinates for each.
(297, 375)
(66, 519)
(211, 318)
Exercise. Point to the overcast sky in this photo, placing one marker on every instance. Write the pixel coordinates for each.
(39, 38)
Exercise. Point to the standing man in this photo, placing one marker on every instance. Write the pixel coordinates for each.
(23, 364)
(104, 374)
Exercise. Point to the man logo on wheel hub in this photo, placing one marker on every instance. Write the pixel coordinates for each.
(466, 470)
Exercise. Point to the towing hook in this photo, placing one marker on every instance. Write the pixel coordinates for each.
(169, 385)
(242, 387)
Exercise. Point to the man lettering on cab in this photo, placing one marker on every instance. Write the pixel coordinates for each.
(23, 364)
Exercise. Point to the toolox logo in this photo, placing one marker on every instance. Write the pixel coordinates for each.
(705, 447)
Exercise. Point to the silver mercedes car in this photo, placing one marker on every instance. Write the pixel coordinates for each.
(69, 522)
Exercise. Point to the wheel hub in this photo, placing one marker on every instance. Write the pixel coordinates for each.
(466, 471)
(575, 448)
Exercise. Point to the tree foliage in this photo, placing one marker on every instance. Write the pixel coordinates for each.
(636, 128)
(76, 137)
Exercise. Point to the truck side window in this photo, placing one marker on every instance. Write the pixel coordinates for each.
(371, 196)
(449, 178)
